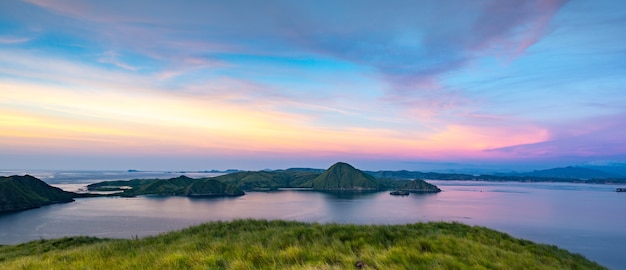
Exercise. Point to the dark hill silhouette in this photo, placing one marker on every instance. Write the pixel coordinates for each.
(342, 176)
(26, 192)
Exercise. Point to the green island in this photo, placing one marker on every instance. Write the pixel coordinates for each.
(261, 244)
(178, 186)
(19, 193)
(338, 178)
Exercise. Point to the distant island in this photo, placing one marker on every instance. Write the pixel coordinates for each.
(178, 186)
(560, 175)
(339, 177)
(26, 192)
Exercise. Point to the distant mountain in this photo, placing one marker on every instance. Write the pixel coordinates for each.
(342, 176)
(25, 192)
(569, 173)
(407, 175)
(617, 168)
(178, 186)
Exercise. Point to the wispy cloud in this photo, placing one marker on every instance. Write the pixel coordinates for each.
(13, 40)
(412, 79)
(111, 57)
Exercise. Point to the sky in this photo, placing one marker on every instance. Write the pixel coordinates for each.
(195, 85)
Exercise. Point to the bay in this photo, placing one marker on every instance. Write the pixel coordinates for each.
(582, 218)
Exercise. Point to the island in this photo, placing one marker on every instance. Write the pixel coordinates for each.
(19, 193)
(178, 186)
(420, 186)
(340, 176)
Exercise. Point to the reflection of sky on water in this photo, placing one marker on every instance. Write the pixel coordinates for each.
(582, 218)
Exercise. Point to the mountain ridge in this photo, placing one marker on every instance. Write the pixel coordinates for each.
(569, 172)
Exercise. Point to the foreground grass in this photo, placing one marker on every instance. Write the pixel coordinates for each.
(260, 244)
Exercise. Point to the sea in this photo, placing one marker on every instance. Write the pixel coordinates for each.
(589, 219)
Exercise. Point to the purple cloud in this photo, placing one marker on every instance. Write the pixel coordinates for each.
(586, 139)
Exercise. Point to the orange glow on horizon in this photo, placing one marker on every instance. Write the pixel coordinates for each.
(47, 117)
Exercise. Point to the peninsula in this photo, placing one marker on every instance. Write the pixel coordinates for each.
(26, 192)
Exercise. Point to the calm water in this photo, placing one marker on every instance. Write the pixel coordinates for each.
(587, 219)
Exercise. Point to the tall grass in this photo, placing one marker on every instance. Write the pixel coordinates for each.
(261, 244)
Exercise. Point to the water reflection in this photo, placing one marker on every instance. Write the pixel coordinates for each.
(581, 218)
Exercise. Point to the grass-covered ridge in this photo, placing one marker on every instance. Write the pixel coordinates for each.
(25, 192)
(260, 244)
(178, 186)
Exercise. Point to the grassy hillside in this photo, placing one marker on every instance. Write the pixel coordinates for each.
(268, 180)
(342, 176)
(172, 186)
(26, 192)
(178, 186)
(259, 244)
(211, 187)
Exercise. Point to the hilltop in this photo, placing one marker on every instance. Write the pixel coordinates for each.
(343, 177)
(261, 244)
(26, 192)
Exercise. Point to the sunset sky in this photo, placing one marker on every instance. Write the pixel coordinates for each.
(195, 85)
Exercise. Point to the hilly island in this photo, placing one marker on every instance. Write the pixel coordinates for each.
(339, 177)
(178, 186)
(26, 192)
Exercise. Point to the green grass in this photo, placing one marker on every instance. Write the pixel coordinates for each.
(260, 244)
(26, 192)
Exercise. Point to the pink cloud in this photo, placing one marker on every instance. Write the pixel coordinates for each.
(589, 138)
